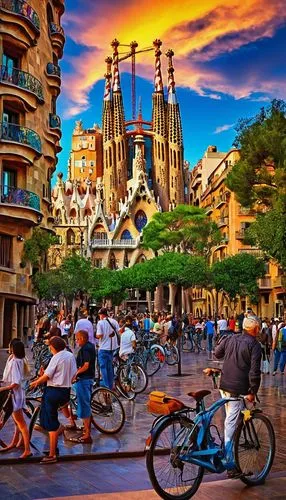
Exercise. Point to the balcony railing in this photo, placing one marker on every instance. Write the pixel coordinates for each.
(113, 243)
(23, 80)
(253, 251)
(22, 8)
(240, 235)
(209, 209)
(53, 69)
(54, 121)
(223, 198)
(23, 135)
(222, 221)
(56, 29)
(246, 211)
(20, 197)
(265, 283)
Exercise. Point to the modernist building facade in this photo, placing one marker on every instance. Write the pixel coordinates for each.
(120, 174)
(31, 44)
(208, 190)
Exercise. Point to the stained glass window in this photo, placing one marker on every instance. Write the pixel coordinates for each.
(126, 235)
(140, 220)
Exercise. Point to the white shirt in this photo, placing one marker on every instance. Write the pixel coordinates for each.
(126, 339)
(105, 329)
(65, 327)
(61, 369)
(85, 324)
(222, 324)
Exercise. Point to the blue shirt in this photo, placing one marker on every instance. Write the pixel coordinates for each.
(209, 327)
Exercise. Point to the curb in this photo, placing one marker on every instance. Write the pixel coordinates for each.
(106, 455)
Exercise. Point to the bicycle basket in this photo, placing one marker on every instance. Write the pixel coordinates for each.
(160, 403)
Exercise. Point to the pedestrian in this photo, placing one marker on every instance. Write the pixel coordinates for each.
(231, 324)
(58, 376)
(280, 347)
(241, 375)
(15, 371)
(222, 326)
(277, 353)
(265, 343)
(106, 332)
(210, 330)
(85, 324)
(84, 380)
(66, 328)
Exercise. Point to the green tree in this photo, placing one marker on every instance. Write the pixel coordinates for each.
(36, 247)
(237, 276)
(186, 227)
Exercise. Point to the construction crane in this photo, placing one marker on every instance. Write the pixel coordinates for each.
(126, 55)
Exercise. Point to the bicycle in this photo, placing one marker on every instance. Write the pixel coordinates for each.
(180, 449)
(130, 377)
(150, 354)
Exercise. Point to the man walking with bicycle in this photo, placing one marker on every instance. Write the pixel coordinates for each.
(241, 375)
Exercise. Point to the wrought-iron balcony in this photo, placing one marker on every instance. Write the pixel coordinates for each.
(53, 69)
(54, 121)
(265, 283)
(220, 200)
(19, 197)
(23, 9)
(56, 29)
(209, 209)
(246, 211)
(12, 132)
(23, 80)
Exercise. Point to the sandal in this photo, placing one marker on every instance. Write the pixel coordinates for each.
(81, 440)
(49, 460)
(72, 428)
(25, 458)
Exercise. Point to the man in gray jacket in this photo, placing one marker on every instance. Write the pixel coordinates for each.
(240, 373)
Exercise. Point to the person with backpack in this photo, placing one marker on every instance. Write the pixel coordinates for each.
(107, 333)
(280, 349)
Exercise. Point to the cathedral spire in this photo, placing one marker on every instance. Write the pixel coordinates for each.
(172, 99)
(108, 77)
(158, 74)
(116, 78)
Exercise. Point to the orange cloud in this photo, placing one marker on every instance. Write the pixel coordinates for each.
(197, 31)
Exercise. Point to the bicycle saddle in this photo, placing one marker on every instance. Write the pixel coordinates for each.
(199, 395)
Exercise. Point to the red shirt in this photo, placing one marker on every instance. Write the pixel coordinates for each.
(231, 324)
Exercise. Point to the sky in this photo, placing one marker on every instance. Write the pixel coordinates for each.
(229, 62)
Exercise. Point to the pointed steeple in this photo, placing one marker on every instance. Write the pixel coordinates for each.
(108, 77)
(158, 82)
(172, 98)
(116, 77)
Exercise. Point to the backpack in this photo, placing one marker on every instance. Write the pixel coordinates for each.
(282, 340)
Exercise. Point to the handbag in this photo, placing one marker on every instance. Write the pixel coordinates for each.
(6, 406)
(161, 404)
(116, 334)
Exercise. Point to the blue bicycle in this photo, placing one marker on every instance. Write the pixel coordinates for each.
(180, 450)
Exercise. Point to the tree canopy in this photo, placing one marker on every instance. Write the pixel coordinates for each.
(238, 275)
(186, 227)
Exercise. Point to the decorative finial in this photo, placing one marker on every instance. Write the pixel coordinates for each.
(158, 75)
(108, 76)
(171, 80)
(116, 79)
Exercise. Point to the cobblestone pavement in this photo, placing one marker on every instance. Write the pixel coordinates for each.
(32, 481)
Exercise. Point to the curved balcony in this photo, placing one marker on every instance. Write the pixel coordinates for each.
(57, 37)
(223, 198)
(55, 127)
(19, 13)
(20, 197)
(19, 141)
(53, 72)
(23, 81)
(223, 221)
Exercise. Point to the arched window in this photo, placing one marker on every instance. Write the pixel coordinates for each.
(140, 220)
(126, 235)
(140, 258)
(73, 213)
(70, 237)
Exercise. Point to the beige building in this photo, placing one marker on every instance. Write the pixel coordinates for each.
(233, 219)
(31, 44)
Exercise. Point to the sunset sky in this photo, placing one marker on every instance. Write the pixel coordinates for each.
(229, 61)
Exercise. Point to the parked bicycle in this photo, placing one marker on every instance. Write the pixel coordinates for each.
(130, 377)
(180, 450)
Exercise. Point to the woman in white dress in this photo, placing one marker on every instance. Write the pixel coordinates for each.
(14, 373)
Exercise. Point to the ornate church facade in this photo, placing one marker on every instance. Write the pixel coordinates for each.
(120, 174)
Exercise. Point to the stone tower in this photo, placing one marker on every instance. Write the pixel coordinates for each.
(109, 170)
(160, 149)
(175, 139)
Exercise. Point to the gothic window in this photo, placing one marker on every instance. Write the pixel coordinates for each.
(175, 159)
(87, 212)
(119, 151)
(110, 157)
(163, 153)
(126, 235)
(70, 237)
(73, 213)
(112, 262)
(141, 258)
(140, 220)
(179, 162)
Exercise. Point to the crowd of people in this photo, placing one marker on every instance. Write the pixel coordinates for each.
(65, 353)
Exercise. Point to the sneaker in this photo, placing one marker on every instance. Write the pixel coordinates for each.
(274, 373)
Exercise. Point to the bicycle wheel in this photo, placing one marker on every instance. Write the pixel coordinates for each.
(172, 355)
(108, 415)
(171, 477)
(155, 359)
(124, 382)
(138, 378)
(254, 449)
